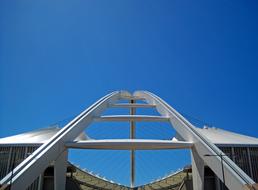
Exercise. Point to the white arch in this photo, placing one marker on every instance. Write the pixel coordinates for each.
(55, 150)
(237, 179)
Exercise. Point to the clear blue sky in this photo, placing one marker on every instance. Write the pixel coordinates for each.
(58, 57)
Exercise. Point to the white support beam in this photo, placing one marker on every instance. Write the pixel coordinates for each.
(40, 183)
(129, 144)
(236, 178)
(60, 167)
(197, 170)
(27, 171)
(134, 105)
(139, 118)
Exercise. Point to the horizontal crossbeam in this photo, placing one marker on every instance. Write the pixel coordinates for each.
(140, 118)
(132, 98)
(132, 105)
(129, 144)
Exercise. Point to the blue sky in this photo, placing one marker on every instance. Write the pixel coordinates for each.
(58, 57)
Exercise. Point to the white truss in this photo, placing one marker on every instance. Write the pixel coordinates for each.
(55, 150)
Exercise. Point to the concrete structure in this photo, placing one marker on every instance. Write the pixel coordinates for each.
(25, 158)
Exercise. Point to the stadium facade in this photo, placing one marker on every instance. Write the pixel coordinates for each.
(37, 160)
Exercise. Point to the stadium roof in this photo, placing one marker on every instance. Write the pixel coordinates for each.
(35, 137)
(224, 138)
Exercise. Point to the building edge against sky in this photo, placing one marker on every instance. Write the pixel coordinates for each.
(239, 164)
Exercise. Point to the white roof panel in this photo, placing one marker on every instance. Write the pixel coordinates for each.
(39, 136)
(223, 137)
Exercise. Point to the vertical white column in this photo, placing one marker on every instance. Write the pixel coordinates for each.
(9, 161)
(60, 167)
(197, 170)
(40, 182)
(250, 163)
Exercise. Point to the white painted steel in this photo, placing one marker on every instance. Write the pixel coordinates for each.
(129, 144)
(236, 179)
(139, 118)
(197, 170)
(132, 105)
(27, 171)
(60, 167)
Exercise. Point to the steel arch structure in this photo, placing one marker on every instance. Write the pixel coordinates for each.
(55, 150)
